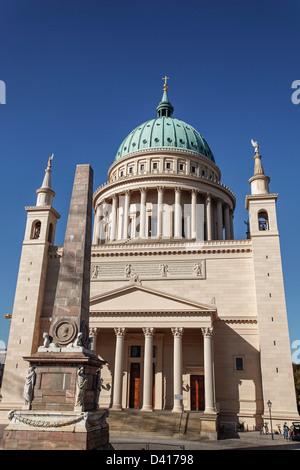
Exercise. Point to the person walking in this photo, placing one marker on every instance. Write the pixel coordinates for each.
(285, 431)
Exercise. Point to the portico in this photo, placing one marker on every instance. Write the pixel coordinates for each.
(150, 365)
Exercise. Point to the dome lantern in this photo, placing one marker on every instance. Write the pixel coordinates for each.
(165, 109)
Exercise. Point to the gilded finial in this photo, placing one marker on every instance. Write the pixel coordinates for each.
(166, 85)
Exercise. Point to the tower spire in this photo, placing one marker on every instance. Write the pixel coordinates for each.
(45, 194)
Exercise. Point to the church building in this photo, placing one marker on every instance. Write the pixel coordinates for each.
(184, 315)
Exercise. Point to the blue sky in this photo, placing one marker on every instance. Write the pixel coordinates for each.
(80, 75)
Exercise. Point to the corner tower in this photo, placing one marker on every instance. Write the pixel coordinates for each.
(29, 296)
(274, 346)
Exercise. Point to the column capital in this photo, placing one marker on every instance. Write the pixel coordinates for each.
(148, 331)
(160, 189)
(177, 332)
(93, 331)
(127, 192)
(120, 332)
(208, 331)
(143, 190)
(177, 189)
(195, 191)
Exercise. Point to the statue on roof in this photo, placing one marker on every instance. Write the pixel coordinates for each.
(255, 145)
(50, 160)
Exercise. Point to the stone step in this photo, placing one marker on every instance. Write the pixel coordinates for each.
(136, 423)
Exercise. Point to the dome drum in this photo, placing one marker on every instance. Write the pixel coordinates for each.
(164, 161)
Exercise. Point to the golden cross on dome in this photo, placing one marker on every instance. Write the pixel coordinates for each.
(165, 85)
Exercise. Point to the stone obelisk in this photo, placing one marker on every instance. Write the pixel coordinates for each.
(62, 387)
(71, 310)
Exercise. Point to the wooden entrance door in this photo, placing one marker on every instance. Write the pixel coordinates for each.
(135, 380)
(197, 392)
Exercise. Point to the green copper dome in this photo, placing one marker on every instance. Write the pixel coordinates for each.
(166, 132)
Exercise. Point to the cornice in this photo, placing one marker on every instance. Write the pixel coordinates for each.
(157, 313)
(136, 249)
(238, 320)
(153, 248)
(43, 209)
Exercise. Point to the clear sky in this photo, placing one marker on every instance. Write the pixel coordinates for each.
(80, 75)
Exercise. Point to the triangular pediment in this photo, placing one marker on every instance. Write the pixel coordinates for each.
(139, 298)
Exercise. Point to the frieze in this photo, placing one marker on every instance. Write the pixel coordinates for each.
(104, 271)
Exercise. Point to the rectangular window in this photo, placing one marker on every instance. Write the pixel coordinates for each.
(154, 166)
(168, 166)
(130, 169)
(152, 226)
(181, 166)
(142, 167)
(135, 351)
(193, 169)
(239, 363)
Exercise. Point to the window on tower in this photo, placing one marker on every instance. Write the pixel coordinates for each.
(263, 221)
(36, 230)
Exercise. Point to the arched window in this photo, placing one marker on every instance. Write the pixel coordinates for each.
(50, 233)
(36, 230)
(263, 220)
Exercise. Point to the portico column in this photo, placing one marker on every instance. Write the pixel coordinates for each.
(93, 332)
(177, 214)
(193, 214)
(118, 372)
(160, 194)
(114, 217)
(96, 234)
(220, 219)
(227, 223)
(148, 371)
(208, 371)
(177, 368)
(143, 213)
(126, 214)
(208, 217)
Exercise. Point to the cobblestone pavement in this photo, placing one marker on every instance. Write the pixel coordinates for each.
(251, 440)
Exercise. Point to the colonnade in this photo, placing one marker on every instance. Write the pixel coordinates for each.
(215, 215)
(177, 333)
